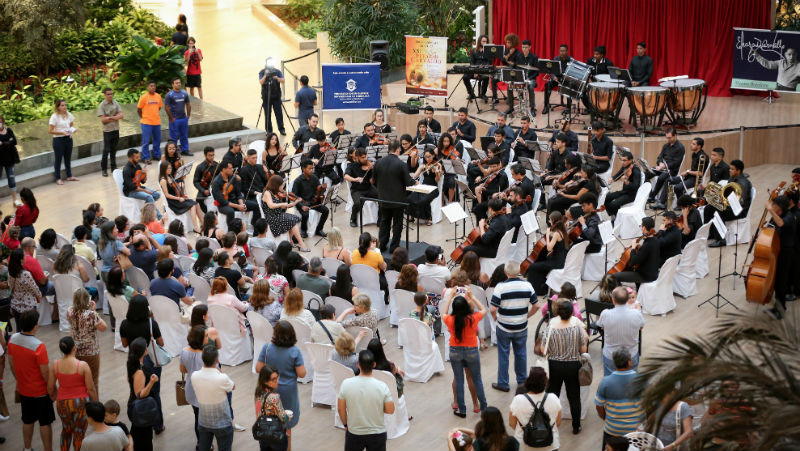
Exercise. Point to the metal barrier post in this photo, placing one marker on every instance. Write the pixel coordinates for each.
(319, 81)
(741, 142)
(641, 146)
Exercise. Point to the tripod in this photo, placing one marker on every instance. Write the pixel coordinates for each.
(718, 300)
(469, 101)
(267, 102)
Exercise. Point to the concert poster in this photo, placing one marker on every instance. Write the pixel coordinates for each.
(426, 66)
(765, 60)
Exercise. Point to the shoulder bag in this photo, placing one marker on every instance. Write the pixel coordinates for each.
(158, 354)
(180, 391)
(330, 337)
(268, 428)
(586, 372)
(540, 352)
(145, 411)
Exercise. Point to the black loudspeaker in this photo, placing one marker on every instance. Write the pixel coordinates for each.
(379, 53)
(407, 108)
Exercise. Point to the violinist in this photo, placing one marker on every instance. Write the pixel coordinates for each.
(717, 171)
(433, 125)
(518, 208)
(423, 137)
(494, 182)
(631, 178)
(553, 256)
(669, 237)
(590, 223)
(234, 153)
(508, 133)
(688, 179)
(275, 203)
(175, 193)
(571, 137)
(556, 162)
(645, 257)
(690, 219)
(408, 149)
(273, 155)
(525, 133)
(491, 231)
(226, 191)
(340, 131)
(378, 120)
(456, 141)
(368, 138)
(428, 173)
(737, 176)
(503, 149)
(476, 172)
(571, 191)
(254, 176)
(172, 155)
(305, 133)
(784, 223)
(519, 179)
(602, 148)
(465, 129)
(203, 176)
(447, 151)
(359, 174)
(308, 188)
(134, 178)
(316, 155)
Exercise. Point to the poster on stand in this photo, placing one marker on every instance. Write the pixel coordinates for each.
(766, 60)
(426, 66)
(351, 86)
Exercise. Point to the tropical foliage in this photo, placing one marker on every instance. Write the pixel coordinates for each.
(748, 365)
(145, 61)
(787, 15)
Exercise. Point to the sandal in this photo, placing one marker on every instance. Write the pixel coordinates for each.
(59, 182)
(454, 406)
(476, 410)
(305, 249)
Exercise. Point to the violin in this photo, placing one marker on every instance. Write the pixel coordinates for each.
(140, 177)
(205, 180)
(319, 196)
(625, 259)
(575, 228)
(377, 140)
(680, 222)
(451, 153)
(177, 187)
(287, 196)
(474, 237)
(572, 187)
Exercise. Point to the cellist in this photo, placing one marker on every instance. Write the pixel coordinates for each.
(491, 231)
(645, 257)
(784, 223)
(553, 256)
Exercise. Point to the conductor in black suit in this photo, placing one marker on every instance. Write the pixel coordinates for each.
(391, 178)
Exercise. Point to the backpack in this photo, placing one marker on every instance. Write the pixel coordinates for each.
(538, 431)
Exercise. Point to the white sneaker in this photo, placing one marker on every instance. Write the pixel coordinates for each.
(17, 203)
(3, 418)
(239, 427)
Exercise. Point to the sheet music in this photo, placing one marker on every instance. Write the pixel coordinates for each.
(454, 167)
(531, 165)
(341, 155)
(328, 158)
(183, 171)
(454, 212)
(719, 224)
(476, 154)
(606, 232)
(345, 141)
(529, 222)
(736, 206)
(424, 189)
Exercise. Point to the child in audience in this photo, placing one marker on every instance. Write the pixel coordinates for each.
(112, 419)
(460, 439)
(11, 239)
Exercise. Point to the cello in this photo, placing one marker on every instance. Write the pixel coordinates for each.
(474, 237)
(766, 245)
(625, 258)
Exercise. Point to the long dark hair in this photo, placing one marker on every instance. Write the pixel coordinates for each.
(198, 312)
(136, 350)
(399, 258)
(344, 283)
(263, 377)
(28, 198)
(462, 313)
(281, 256)
(115, 284)
(209, 222)
(381, 362)
(364, 241)
(492, 429)
(203, 260)
(65, 260)
(15, 262)
(557, 224)
(138, 309)
(106, 235)
(89, 219)
(471, 265)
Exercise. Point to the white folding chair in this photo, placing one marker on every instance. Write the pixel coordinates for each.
(338, 303)
(436, 204)
(362, 344)
(702, 256)
(201, 288)
(739, 229)
(46, 306)
(391, 281)
(119, 305)
(656, 297)
(597, 264)
(262, 333)
(168, 315)
(185, 218)
(369, 211)
(46, 263)
(628, 223)
(339, 373)
(367, 280)
(213, 244)
(303, 334)
(128, 206)
(404, 300)
(431, 285)
(138, 279)
(572, 269)
(322, 391)
(396, 423)
(685, 283)
(236, 347)
(606, 176)
(65, 286)
(421, 354)
(503, 251)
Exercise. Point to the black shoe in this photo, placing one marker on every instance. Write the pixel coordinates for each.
(576, 430)
(321, 233)
(459, 414)
(484, 98)
(717, 243)
(105, 173)
(509, 111)
(304, 234)
(353, 223)
(495, 101)
(187, 153)
(471, 97)
(545, 110)
(774, 312)
(283, 132)
(533, 111)
(659, 206)
(498, 387)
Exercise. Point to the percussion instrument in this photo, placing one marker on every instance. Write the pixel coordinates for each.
(487, 69)
(686, 100)
(648, 103)
(607, 79)
(605, 97)
(574, 80)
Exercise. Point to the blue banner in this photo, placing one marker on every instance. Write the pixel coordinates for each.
(351, 86)
(766, 60)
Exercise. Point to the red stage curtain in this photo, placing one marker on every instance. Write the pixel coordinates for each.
(684, 37)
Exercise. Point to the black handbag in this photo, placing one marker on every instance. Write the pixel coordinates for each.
(315, 311)
(145, 412)
(269, 428)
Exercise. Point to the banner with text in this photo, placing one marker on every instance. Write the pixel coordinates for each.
(426, 66)
(765, 60)
(351, 86)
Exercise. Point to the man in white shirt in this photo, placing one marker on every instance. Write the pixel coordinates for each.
(435, 267)
(326, 330)
(621, 326)
(102, 437)
(361, 403)
(211, 387)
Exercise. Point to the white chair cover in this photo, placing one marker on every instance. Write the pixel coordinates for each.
(322, 390)
(628, 223)
(262, 333)
(596, 265)
(45, 262)
(213, 244)
(391, 281)
(701, 269)
(119, 305)
(685, 284)
(485, 328)
(168, 315)
(130, 207)
(331, 265)
(738, 230)
(403, 305)
(436, 204)
(185, 218)
(504, 249)
(93, 282)
(369, 211)
(421, 354)
(656, 297)
(138, 279)
(46, 306)
(366, 279)
(260, 256)
(338, 303)
(201, 288)
(339, 373)
(572, 270)
(606, 176)
(65, 285)
(396, 423)
(186, 262)
(355, 330)
(183, 248)
(308, 296)
(236, 347)
(303, 334)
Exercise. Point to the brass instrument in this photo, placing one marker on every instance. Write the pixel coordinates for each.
(701, 170)
(670, 196)
(717, 195)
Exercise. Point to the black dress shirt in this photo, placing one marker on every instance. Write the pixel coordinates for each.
(572, 139)
(354, 170)
(199, 171)
(555, 164)
(428, 139)
(527, 188)
(334, 136)
(478, 58)
(128, 173)
(499, 183)
(672, 155)
(235, 158)
(468, 132)
(696, 160)
(391, 179)
(302, 135)
(591, 233)
(603, 147)
(219, 198)
(435, 126)
(641, 69)
(520, 149)
(647, 257)
(695, 222)
(305, 188)
(362, 142)
(747, 197)
(254, 179)
(514, 59)
(631, 185)
(599, 67)
(669, 243)
(530, 60)
(719, 172)
(498, 227)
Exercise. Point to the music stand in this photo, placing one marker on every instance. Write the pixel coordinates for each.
(183, 171)
(621, 74)
(454, 213)
(333, 193)
(718, 300)
(512, 75)
(287, 164)
(345, 141)
(486, 141)
(328, 159)
(455, 167)
(553, 68)
(494, 51)
(468, 194)
(476, 154)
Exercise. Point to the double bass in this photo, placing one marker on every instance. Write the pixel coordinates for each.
(765, 245)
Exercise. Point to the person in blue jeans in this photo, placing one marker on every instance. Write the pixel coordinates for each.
(463, 325)
(304, 101)
(148, 108)
(134, 178)
(178, 110)
(513, 302)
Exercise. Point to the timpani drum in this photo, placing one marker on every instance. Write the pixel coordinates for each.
(686, 100)
(605, 101)
(575, 78)
(648, 103)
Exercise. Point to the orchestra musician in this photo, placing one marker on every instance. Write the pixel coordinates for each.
(227, 193)
(234, 154)
(737, 176)
(359, 174)
(433, 125)
(793, 194)
(316, 154)
(456, 141)
(493, 182)
(598, 62)
(519, 179)
(423, 137)
(784, 222)
(407, 148)
(465, 129)
(563, 59)
(687, 180)
(491, 231)
(428, 173)
(529, 58)
(447, 151)
(503, 149)
(525, 133)
(134, 178)
(203, 176)
(590, 223)
(512, 58)
(556, 162)
(378, 121)
(718, 171)
(478, 58)
(508, 132)
(311, 193)
(669, 163)
(602, 148)
(690, 219)
(571, 190)
(645, 257)
(641, 66)
(305, 133)
(273, 155)
(172, 156)
(631, 180)
(340, 131)
(572, 137)
(254, 176)
(519, 207)
(476, 170)
(391, 179)
(553, 256)
(669, 237)
(175, 194)
(275, 203)
(368, 138)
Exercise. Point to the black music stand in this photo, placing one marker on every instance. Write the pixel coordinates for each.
(468, 194)
(469, 101)
(486, 141)
(718, 300)
(621, 74)
(552, 67)
(330, 196)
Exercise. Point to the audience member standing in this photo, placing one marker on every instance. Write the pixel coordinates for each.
(103, 437)
(178, 110)
(27, 214)
(110, 113)
(192, 59)
(621, 326)
(362, 403)
(84, 322)
(141, 386)
(211, 387)
(304, 101)
(9, 157)
(70, 382)
(62, 127)
(616, 400)
(268, 402)
(148, 108)
(521, 409)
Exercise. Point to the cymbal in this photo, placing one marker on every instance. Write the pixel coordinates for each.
(523, 66)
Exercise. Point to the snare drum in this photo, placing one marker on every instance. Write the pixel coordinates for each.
(647, 100)
(685, 94)
(605, 97)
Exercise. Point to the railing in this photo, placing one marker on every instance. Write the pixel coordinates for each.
(296, 78)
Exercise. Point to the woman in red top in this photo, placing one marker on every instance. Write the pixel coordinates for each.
(463, 326)
(75, 388)
(27, 214)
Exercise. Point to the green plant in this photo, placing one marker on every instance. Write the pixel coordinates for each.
(16, 61)
(143, 60)
(445, 17)
(787, 15)
(303, 10)
(84, 47)
(309, 28)
(101, 12)
(352, 24)
(747, 365)
(146, 23)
